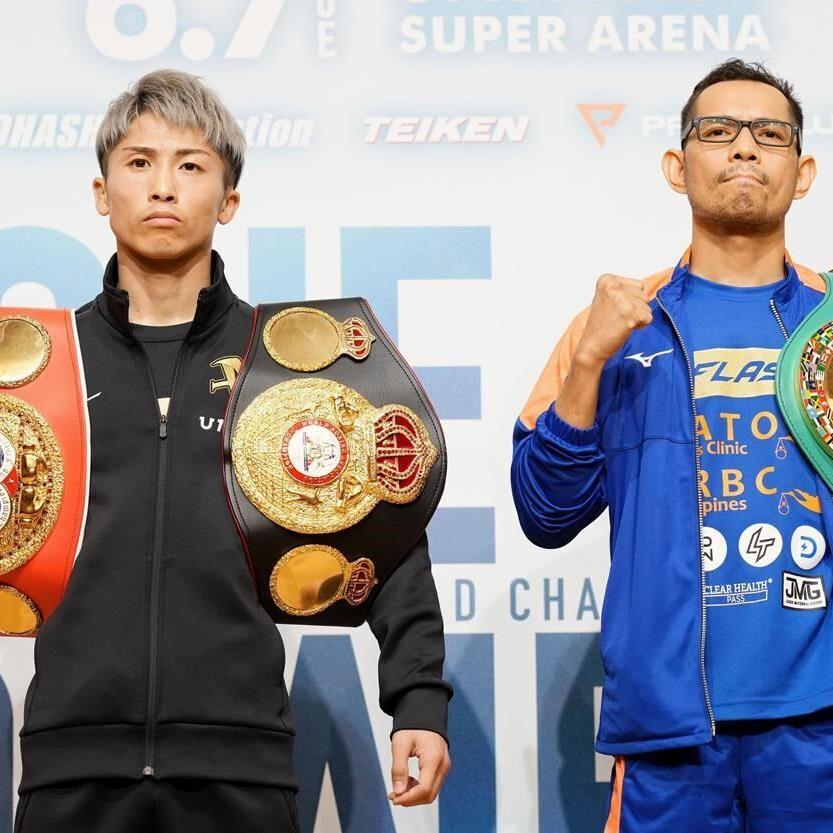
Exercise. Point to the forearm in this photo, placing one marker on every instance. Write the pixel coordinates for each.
(407, 621)
(579, 398)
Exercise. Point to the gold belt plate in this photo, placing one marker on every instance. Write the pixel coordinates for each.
(309, 578)
(25, 349)
(31, 481)
(19, 615)
(307, 339)
(315, 456)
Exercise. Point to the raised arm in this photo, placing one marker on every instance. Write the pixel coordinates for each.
(557, 471)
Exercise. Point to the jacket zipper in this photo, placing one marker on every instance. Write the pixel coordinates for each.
(778, 318)
(706, 696)
(161, 472)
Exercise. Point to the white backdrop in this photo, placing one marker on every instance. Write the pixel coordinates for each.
(471, 166)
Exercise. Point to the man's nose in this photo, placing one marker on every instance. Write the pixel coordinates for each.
(744, 145)
(162, 187)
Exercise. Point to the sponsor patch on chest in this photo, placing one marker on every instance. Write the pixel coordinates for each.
(802, 592)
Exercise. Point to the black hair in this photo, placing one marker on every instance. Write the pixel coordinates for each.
(736, 69)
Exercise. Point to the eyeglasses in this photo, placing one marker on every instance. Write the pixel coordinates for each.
(724, 129)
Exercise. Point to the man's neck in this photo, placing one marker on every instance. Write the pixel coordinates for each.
(738, 256)
(163, 292)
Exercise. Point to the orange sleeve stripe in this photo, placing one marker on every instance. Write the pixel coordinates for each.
(551, 381)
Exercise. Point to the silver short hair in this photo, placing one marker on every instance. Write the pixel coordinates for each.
(181, 99)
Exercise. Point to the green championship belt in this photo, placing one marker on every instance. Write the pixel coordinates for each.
(804, 385)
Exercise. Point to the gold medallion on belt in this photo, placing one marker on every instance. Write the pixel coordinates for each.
(31, 481)
(31, 465)
(315, 456)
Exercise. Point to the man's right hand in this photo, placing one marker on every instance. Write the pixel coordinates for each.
(620, 306)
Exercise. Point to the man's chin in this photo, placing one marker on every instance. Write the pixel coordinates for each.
(742, 211)
(159, 249)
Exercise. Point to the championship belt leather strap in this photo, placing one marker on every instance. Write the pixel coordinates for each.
(804, 384)
(334, 459)
(44, 463)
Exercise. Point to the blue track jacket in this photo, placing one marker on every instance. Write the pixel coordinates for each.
(638, 461)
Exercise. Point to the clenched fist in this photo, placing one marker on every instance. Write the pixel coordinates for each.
(619, 307)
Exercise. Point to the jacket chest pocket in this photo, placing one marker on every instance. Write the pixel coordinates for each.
(651, 398)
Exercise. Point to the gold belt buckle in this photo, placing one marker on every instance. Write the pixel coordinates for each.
(315, 456)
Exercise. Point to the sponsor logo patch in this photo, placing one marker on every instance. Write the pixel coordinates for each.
(737, 593)
(735, 372)
(802, 592)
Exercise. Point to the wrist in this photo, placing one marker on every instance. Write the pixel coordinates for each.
(588, 359)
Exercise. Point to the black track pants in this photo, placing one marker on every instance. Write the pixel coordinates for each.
(150, 806)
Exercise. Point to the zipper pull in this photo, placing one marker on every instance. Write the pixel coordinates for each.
(163, 426)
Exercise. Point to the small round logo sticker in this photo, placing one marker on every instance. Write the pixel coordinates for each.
(807, 546)
(760, 544)
(713, 547)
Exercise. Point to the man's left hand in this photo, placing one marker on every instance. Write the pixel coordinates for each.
(434, 763)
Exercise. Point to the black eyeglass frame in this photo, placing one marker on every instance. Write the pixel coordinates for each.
(795, 132)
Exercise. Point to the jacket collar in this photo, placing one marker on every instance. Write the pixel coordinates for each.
(212, 300)
(785, 291)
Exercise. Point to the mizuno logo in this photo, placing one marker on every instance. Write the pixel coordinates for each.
(94, 396)
(645, 361)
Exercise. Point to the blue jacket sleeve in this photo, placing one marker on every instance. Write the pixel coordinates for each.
(558, 479)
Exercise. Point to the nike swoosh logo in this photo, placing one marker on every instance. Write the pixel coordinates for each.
(645, 361)
(94, 396)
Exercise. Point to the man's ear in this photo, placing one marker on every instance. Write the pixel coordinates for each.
(228, 207)
(806, 175)
(102, 206)
(673, 167)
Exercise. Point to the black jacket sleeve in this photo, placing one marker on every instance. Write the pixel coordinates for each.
(406, 620)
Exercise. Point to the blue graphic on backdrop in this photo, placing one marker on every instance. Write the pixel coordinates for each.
(470, 668)
(568, 669)
(56, 260)
(333, 728)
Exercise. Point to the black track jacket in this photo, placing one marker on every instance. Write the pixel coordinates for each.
(160, 661)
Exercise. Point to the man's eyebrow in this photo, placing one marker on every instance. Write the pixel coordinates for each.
(788, 119)
(152, 151)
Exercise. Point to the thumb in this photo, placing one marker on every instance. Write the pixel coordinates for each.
(399, 768)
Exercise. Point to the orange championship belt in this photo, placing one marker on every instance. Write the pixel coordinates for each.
(44, 463)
